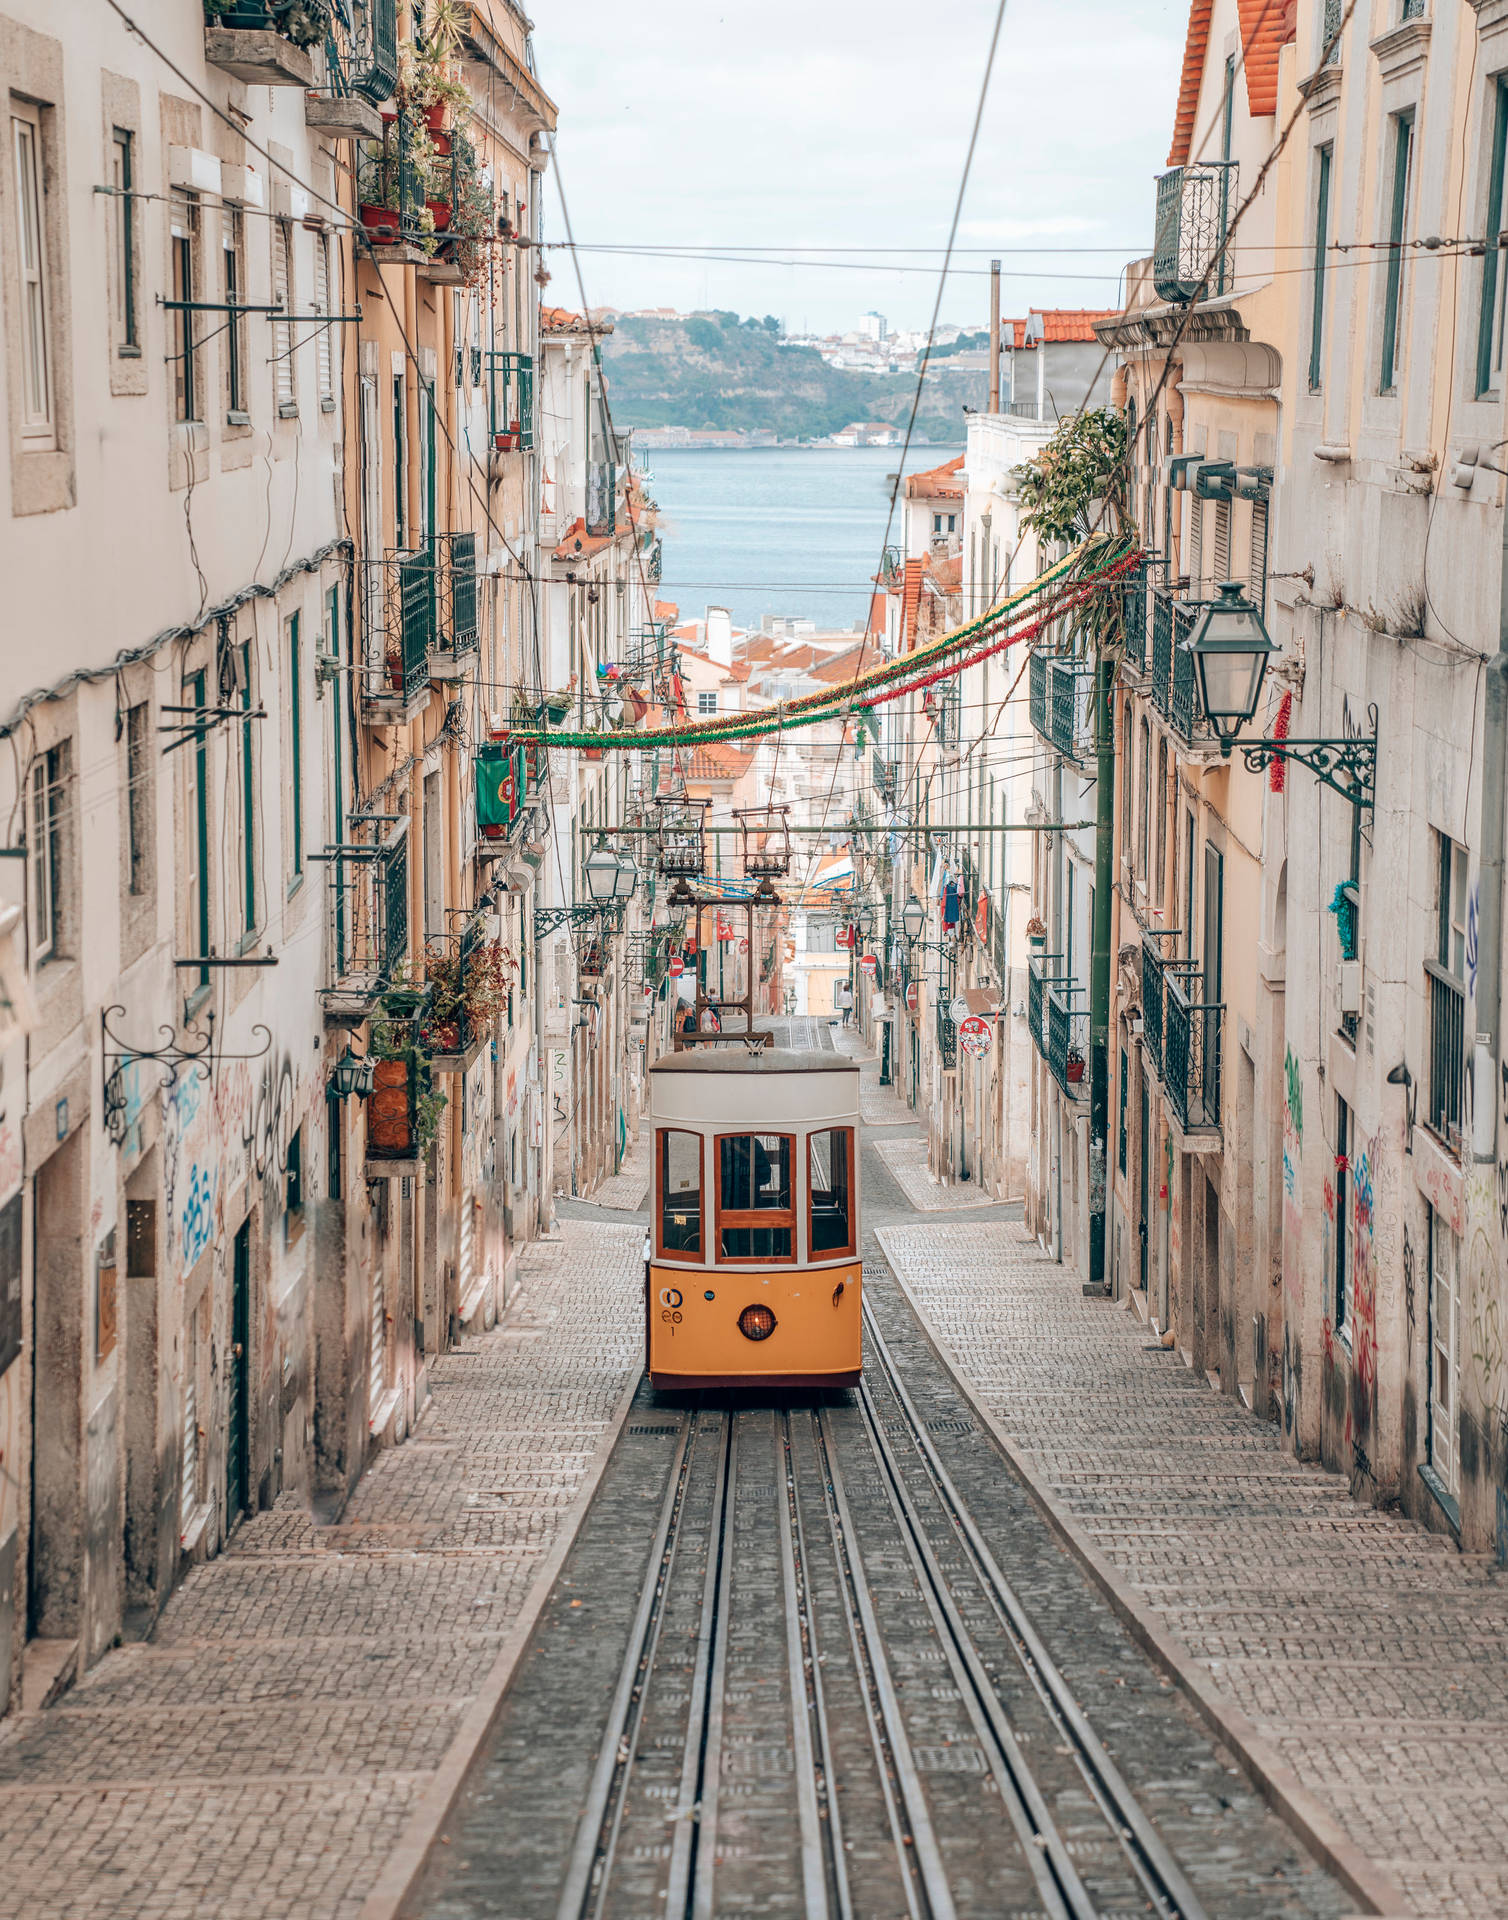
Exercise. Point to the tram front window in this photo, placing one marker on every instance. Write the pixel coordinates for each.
(755, 1220)
(832, 1188)
(680, 1192)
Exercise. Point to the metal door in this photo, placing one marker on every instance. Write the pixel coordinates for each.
(1144, 1156)
(237, 1435)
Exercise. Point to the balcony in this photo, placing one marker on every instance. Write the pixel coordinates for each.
(1067, 1037)
(508, 776)
(1134, 624)
(510, 401)
(249, 40)
(1174, 689)
(1060, 698)
(1036, 694)
(366, 913)
(1194, 206)
(1191, 1055)
(456, 631)
(1153, 965)
(601, 499)
(401, 599)
(360, 71)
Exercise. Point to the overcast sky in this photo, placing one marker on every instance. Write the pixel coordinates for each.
(832, 124)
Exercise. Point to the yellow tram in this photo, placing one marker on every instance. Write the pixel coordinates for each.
(754, 1277)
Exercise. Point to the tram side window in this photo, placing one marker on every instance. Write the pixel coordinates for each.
(755, 1218)
(680, 1192)
(831, 1163)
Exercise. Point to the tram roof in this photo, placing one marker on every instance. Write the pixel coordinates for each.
(727, 1058)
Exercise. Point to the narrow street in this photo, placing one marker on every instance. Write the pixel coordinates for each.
(337, 1679)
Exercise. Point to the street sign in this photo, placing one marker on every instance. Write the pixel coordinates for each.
(677, 966)
(844, 936)
(958, 1009)
(743, 946)
(913, 995)
(974, 1036)
(868, 965)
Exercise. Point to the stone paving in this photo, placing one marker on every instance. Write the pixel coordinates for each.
(258, 1757)
(1369, 1654)
(625, 1190)
(907, 1162)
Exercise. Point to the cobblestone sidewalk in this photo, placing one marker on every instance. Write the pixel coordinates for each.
(625, 1190)
(1370, 1657)
(907, 1161)
(258, 1758)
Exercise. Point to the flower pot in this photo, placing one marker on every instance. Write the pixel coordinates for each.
(491, 831)
(444, 1037)
(381, 223)
(505, 442)
(440, 209)
(434, 119)
(591, 753)
(1075, 1071)
(390, 1120)
(394, 665)
(1036, 941)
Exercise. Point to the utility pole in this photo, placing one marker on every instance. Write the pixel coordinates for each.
(1099, 968)
(994, 336)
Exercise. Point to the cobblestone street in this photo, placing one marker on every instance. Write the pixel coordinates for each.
(1364, 1660)
(310, 1683)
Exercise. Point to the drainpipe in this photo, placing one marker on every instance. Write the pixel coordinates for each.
(1490, 885)
(994, 336)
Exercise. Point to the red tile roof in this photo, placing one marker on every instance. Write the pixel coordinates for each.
(577, 544)
(1266, 28)
(843, 666)
(910, 601)
(713, 761)
(668, 611)
(1061, 323)
(562, 320)
(939, 483)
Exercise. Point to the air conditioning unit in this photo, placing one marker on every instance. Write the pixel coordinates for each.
(194, 169)
(1350, 986)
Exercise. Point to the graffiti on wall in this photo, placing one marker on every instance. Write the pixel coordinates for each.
(215, 1135)
(1363, 1295)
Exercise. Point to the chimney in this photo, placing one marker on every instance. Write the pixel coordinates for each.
(720, 636)
(994, 336)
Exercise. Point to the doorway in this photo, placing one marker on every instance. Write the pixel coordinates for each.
(238, 1412)
(55, 1564)
(1144, 1179)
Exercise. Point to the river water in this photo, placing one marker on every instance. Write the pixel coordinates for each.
(795, 531)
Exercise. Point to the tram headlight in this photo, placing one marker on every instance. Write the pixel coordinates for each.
(756, 1323)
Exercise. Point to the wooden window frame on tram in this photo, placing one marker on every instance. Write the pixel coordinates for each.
(849, 1249)
(662, 1252)
(751, 1217)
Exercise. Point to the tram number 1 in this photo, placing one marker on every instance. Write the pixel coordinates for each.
(670, 1305)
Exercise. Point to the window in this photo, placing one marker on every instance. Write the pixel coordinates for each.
(1494, 281)
(830, 1162)
(295, 743)
(400, 464)
(233, 244)
(248, 801)
(1120, 1138)
(680, 1194)
(1159, 878)
(196, 818)
(426, 462)
(47, 802)
(1323, 156)
(184, 241)
(123, 241)
(706, 700)
(35, 317)
(1444, 1349)
(1447, 990)
(1345, 1222)
(1144, 824)
(138, 798)
(755, 1218)
(293, 1179)
(282, 330)
(1403, 146)
(324, 352)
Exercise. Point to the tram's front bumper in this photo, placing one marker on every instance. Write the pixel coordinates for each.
(726, 1326)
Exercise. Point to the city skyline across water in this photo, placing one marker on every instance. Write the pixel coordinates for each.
(798, 532)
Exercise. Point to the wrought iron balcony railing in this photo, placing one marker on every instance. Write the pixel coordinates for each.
(1067, 1036)
(457, 635)
(1036, 694)
(1070, 682)
(1174, 689)
(1192, 1033)
(401, 603)
(360, 69)
(366, 901)
(1194, 207)
(1154, 964)
(510, 400)
(1134, 622)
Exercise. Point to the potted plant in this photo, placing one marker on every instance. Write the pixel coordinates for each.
(1074, 1066)
(469, 986)
(303, 22)
(1036, 933)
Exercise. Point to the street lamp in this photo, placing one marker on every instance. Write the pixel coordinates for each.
(1231, 649)
(627, 880)
(913, 918)
(353, 1074)
(865, 918)
(602, 873)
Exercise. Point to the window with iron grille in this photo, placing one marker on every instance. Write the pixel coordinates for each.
(1446, 984)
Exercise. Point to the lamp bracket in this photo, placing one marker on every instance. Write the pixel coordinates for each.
(196, 1050)
(551, 919)
(1347, 765)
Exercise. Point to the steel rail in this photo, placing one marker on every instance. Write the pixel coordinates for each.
(1150, 1857)
(596, 1833)
(823, 1868)
(909, 1817)
(694, 1841)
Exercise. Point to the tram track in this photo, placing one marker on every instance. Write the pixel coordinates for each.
(759, 1535)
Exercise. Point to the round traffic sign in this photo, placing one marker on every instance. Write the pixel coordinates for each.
(974, 1036)
(913, 995)
(958, 1009)
(869, 966)
(677, 966)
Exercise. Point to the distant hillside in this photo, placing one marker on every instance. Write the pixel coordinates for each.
(715, 371)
